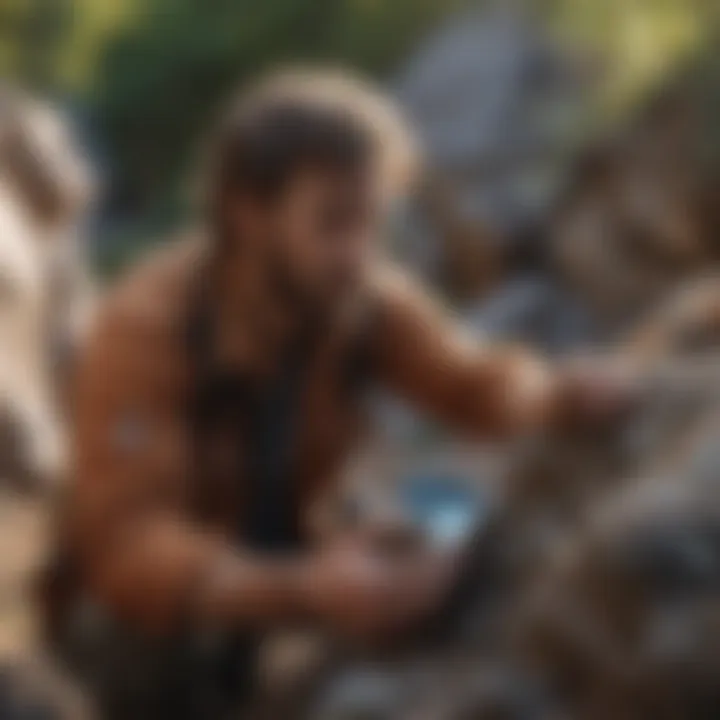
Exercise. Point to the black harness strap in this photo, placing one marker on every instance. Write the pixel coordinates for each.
(272, 523)
(265, 424)
(266, 420)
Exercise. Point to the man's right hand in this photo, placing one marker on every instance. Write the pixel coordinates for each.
(365, 593)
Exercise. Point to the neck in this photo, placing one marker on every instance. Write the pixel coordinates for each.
(254, 323)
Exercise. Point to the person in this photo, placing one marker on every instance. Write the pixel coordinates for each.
(221, 393)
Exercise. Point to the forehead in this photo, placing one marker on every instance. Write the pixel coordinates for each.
(328, 184)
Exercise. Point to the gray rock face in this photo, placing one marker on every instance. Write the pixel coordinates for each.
(495, 105)
(532, 310)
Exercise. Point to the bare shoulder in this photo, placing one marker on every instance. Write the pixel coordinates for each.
(154, 292)
(404, 298)
(140, 318)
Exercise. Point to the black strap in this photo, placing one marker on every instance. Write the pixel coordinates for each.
(266, 424)
(272, 523)
(272, 520)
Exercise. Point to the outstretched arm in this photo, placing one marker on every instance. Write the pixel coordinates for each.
(486, 391)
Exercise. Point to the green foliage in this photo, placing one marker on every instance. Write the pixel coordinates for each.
(32, 37)
(94, 24)
(639, 41)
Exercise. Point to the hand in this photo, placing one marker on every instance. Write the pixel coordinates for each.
(594, 393)
(366, 594)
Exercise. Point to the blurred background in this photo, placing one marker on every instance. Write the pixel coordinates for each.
(569, 200)
(497, 89)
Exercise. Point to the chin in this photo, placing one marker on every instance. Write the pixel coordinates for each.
(327, 299)
(324, 297)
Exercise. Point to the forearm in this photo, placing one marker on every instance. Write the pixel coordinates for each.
(484, 390)
(500, 394)
(167, 574)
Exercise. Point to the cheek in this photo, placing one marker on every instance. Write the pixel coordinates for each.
(300, 247)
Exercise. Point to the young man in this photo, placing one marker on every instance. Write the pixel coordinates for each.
(220, 396)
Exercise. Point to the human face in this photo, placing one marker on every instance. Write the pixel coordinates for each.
(317, 236)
